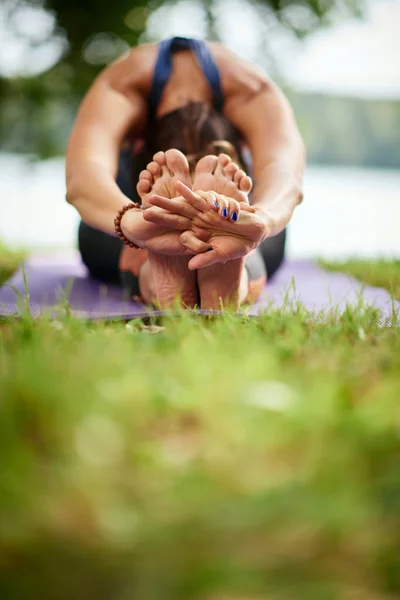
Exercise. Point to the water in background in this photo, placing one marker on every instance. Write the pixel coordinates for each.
(345, 212)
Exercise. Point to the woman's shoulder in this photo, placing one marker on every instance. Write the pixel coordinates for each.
(133, 70)
(239, 77)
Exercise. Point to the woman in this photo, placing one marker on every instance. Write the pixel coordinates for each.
(176, 118)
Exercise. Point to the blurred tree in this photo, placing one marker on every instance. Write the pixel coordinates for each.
(37, 108)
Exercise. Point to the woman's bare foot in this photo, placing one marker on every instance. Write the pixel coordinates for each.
(220, 174)
(223, 286)
(168, 278)
(161, 174)
(227, 284)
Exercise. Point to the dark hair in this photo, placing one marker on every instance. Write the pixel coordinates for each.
(196, 129)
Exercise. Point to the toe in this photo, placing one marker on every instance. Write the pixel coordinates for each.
(230, 170)
(207, 164)
(245, 184)
(224, 160)
(178, 165)
(143, 187)
(146, 175)
(154, 168)
(238, 176)
(159, 158)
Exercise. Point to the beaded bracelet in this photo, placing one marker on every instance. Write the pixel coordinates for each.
(117, 223)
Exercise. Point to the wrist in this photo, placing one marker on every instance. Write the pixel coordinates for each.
(266, 222)
(128, 224)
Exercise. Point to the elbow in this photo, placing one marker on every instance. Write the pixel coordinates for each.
(70, 198)
(299, 195)
(299, 171)
(73, 192)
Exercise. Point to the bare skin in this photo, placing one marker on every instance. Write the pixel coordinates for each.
(166, 278)
(223, 284)
(169, 276)
(115, 111)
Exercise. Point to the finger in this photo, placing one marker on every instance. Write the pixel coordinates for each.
(164, 218)
(223, 204)
(211, 199)
(189, 240)
(193, 199)
(173, 205)
(205, 260)
(234, 210)
(247, 207)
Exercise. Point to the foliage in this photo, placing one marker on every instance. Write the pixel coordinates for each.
(37, 112)
(348, 131)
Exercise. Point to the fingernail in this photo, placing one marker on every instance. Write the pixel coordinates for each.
(225, 212)
(216, 204)
(234, 216)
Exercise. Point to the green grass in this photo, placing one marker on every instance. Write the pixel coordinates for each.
(10, 260)
(224, 458)
(382, 273)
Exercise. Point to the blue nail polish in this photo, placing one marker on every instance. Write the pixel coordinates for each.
(225, 213)
(234, 216)
(216, 204)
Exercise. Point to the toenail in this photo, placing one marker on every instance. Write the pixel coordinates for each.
(216, 204)
(225, 212)
(234, 216)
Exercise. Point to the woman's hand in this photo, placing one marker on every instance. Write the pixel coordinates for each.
(213, 235)
(161, 239)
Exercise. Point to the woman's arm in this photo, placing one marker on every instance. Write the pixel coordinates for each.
(110, 110)
(266, 122)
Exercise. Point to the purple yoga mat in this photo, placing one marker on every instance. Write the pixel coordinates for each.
(297, 280)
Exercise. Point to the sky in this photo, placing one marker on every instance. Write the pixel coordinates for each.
(354, 57)
(359, 58)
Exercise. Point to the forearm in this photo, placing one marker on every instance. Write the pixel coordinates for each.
(96, 196)
(278, 188)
